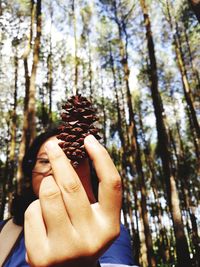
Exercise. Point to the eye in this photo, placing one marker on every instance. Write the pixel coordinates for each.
(43, 161)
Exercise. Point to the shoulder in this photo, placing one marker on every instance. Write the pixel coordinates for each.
(2, 223)
(17, 257)
(120, 252)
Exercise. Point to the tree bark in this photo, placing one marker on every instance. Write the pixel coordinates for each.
(104, 110)
(76, 63)
(90, 69)
(183, 257)
(13, 132)
(29, 127)
(50, 84)
(50, 73)
(4, 176)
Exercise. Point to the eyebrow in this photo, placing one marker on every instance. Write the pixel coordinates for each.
(42, 154)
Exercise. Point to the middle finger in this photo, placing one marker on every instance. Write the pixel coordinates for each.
(74, 195)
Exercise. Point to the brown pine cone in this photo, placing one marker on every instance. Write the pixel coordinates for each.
(79, 118)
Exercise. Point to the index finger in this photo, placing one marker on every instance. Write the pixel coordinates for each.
(110, 185)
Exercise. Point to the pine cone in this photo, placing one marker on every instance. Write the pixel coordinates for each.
(78, 117)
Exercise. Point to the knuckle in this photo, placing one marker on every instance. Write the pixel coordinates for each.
(72, 186)
(116, 183)
(50, 193)
(48, 188)
(40, 262)
(91, 248)
(115, 232)
(30, 211)
(55, 153)
(40, 259)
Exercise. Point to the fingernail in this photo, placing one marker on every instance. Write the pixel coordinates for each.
(91, 139)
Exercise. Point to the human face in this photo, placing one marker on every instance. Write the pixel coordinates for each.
(82, 170)
(37, 177)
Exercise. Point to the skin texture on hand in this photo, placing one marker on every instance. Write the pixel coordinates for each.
(62, 227)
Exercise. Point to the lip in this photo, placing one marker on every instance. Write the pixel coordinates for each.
(49, 173)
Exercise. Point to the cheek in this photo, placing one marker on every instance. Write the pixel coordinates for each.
(36, 181)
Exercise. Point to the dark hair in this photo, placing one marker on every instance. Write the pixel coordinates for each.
(22, 201)
(29, 159)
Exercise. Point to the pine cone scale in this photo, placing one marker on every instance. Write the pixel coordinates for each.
(78, 121)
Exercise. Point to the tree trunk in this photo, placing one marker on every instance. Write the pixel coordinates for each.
(126, 200)
(104, 110)
(50, 73)
(119, 118)
(195, 73)
(12, 144)
(195, 5)
(143, 248)
(183, 71)
(13, 127)
(135, 149)
(182, 249)
(1, 10)
(50, 85)
(194, 125)
(124, 61)
(76, 63)
(90, 70)
(29, 127)
(24, 138)
(144, 211)
(186, 85)
(5, 176)
(152, 175)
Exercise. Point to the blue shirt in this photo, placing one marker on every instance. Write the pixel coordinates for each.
(119, 253)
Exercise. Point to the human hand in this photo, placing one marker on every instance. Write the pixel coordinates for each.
(62, 228)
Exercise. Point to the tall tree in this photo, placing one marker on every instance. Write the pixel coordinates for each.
(183, 256)
(76, 62)
(29, 127)
(194, 124)
(86, 14)
(13, 126)
(50, 68)
(135, 148)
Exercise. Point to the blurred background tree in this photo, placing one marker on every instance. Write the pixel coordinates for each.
(138, 61)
